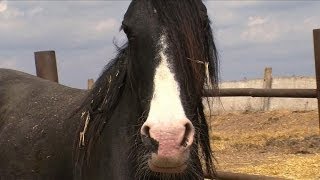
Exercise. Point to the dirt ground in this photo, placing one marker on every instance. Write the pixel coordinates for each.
(283, 144)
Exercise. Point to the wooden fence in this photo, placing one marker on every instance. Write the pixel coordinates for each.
(254, 92)
(285, 93)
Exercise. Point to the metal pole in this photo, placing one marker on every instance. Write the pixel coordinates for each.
(239, 176)
(285, 93)
(46, 65)
(316, 43)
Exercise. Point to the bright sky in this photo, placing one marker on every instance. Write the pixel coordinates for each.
(250, 35)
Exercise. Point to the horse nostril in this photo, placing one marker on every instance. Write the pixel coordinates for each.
(188, 135)
(147, 140)
(145, 131)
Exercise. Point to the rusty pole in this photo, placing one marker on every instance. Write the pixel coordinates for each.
(316, 43)
(46, 65)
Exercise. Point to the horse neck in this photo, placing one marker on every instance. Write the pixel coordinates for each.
(113, 152)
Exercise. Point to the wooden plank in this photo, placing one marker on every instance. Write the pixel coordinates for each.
(90, 84)
(46, 65)
(267, 83)
(285, 93)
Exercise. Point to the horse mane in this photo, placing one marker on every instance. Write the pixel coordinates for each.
(97, 107)
(193, 42)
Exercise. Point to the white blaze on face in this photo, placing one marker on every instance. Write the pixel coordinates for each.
(167, 123)
(166, 104)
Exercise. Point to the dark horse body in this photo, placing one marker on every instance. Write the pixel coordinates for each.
(35, 139)
(144, 118)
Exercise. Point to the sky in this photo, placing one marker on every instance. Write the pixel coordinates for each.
(250, 35)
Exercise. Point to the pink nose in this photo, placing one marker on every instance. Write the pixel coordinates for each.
(169, 141)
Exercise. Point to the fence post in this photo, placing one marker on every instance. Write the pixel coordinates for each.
(46, 65)
(267, 83)
(90, 83)
(316, 43)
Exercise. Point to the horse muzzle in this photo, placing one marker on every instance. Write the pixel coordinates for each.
(169, 144)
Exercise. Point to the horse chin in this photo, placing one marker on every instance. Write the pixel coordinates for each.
(167, 170)
(168, 165)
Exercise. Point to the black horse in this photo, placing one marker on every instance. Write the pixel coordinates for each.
(143, 119)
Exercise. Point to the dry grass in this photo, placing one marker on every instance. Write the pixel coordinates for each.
(277, 143)
(291, 167)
